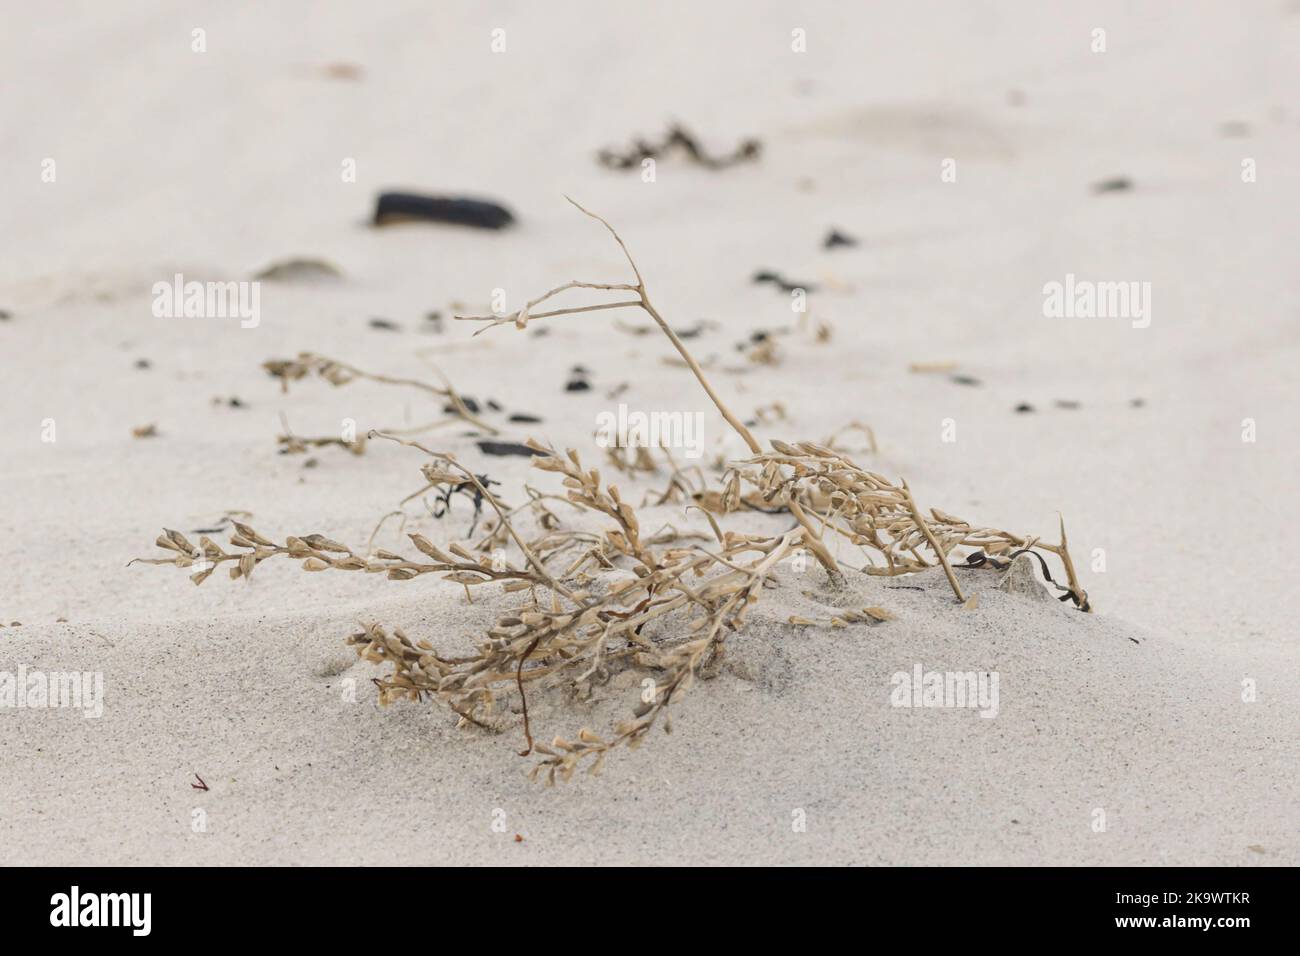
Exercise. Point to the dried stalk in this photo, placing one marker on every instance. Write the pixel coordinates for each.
(522, 317)
(812, 540)
(341, 373)
(887, 519)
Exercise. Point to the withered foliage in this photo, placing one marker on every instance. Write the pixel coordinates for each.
(337, 373)
(676, 140)
(589, 603)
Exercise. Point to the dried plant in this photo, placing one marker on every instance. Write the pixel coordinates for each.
(812, 481)
(591, 602)
(340, 373)
(521, 318)
(291, 444)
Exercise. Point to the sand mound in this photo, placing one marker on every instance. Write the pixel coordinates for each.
(796, 752)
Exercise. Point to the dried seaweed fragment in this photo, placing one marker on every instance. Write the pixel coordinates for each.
(677, 140)
(782, 283)
(836, 239)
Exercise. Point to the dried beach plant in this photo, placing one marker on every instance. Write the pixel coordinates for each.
(591, 603)
(810, 480)
(291, 444)
(522, 317)
(563, 628)
(340, 373)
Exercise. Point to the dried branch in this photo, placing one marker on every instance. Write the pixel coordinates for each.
(341, 373)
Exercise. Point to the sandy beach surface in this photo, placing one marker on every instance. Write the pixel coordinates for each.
(1162, 729)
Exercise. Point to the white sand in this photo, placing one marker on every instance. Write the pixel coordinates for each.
(216, 164)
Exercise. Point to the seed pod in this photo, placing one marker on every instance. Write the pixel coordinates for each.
(321, 543)
(180, 543)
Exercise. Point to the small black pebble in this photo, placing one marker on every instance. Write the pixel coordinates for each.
(523, 419)
(964, 380)
(1024, 407)
(412, 207)
(1117, 185)
(836, 238)
(143, 363)
(385, 324)
(506, 448)
(577, 385)
(472, 405)
(494, 405)
(5, 315)
(578, 370)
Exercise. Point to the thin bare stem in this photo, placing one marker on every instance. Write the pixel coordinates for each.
(286, 369)
(687, 357)
(493, 321)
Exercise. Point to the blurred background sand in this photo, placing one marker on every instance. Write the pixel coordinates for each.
(215, 164)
